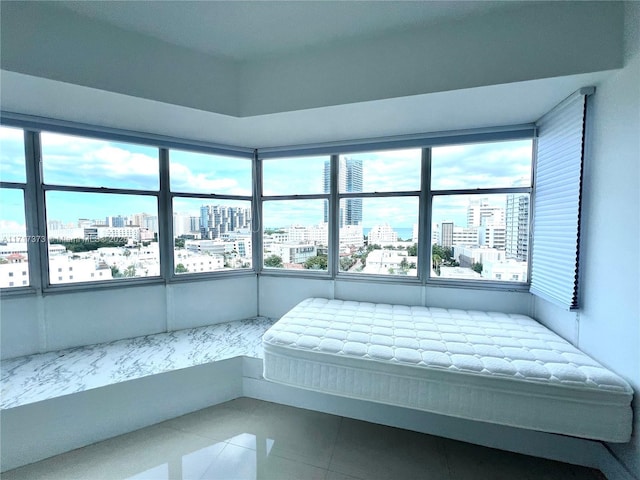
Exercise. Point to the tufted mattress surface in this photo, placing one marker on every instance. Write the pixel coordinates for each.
(487, 366)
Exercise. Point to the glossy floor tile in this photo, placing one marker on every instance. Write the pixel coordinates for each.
(250, 439)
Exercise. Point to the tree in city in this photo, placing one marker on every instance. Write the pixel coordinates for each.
(130, 271)
(115, 272)
(179, 242)
(346, 263)
(436, 261)
(477, 267)
(445, 253)
(81, 245)
(412, 251)
(273, 261)
(404, 264)
(319, 262)
(180, 268)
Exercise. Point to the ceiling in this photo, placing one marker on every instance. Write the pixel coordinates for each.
(306, 40)
(246, 30)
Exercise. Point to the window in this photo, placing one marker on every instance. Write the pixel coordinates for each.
(295, 234)
(378, 214)
(14, 240)
(480, 211)
(193, 172)
(89, 231)
(211, 232)
(12, 157)
(414, 209)
(211, 204)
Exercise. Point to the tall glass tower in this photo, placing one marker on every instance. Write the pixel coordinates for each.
(349, 181)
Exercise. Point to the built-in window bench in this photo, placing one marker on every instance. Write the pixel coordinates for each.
(35, 378)
(58, 401)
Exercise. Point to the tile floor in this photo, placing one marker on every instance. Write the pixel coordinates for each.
(251, 439)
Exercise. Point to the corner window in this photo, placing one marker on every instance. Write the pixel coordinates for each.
(211, 235)
(213, 231)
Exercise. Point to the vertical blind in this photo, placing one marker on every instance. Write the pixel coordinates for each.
(557, 197)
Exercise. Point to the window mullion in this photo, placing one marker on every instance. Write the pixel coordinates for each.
(424, 227)
(38, 252)
(256, 215)
(165, 219)
(334, 219)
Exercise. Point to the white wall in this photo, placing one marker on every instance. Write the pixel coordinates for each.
(543, 40)
(538, 41)
(196, 304)
(42, 40)
(608, 325)
(33, 324)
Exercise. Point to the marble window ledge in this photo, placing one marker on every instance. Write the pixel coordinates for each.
(43, 376)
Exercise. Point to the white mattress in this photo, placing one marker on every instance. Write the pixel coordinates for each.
(492, 367)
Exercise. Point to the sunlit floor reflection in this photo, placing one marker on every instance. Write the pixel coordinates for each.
(249, 440)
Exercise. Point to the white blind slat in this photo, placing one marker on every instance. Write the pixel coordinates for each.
(558, 185)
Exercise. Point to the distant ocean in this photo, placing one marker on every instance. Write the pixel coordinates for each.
(403, 233)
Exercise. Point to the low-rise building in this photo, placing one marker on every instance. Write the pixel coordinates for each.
(508, 270)
(298, 253)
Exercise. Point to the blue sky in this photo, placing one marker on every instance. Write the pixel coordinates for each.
(69, 160)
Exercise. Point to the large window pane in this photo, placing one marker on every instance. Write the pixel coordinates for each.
(295, 234)
(14, 258)
(211, 235)
(205, 173)
(480, 237)
(12, 165)
(296, 176)
(391, 232)
(97, 237)
(482, 165)
(388, 171)
(87, 162)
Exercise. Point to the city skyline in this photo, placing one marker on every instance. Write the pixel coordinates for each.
(81, 161)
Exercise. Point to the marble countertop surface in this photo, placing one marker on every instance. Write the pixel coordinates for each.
(47, 375)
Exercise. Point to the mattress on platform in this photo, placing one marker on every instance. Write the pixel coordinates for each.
(487, 366)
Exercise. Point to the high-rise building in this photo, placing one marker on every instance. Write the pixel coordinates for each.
(446, 234)
(517, 227)
(349, 181)
(118, 222)
(218, 220)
